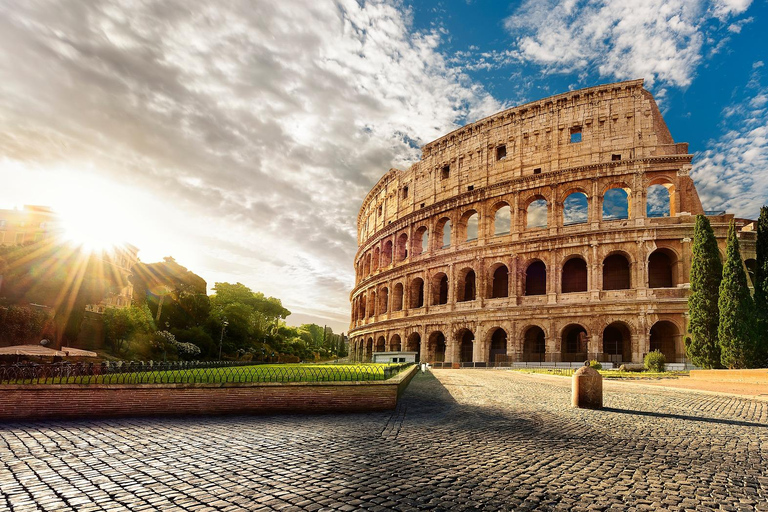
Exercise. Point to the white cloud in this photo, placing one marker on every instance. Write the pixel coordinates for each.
(731, 175)
(263, 124)
(659, 40)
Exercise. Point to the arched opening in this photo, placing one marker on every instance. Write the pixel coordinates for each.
(417, 293)
(376, 259)
(574, 343)
(420, 242)
(402, 247)
(386, 253)
(436, 345)
(467, 346)
(363, 310)
(502, 220)
(367, 266)
(534, 344)
(381, 344)
(500, 282)
(498, 351)
(368, 350)
(661, 269)
(574, 275)
(536, 278)
(397, 297)
(440, 289)
(616, 272)
(664, 337)
(536, 214)
(617, 342)
(751, 265)
(616, 203)
(394, 343)
(443, 232)
(383, 300)
(575, 209)
(466, 285)
(413, 344)
(659, 200)
(372, 305)
(469, 224)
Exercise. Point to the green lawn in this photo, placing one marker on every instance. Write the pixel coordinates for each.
(255, 373)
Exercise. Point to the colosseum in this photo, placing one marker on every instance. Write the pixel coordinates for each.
(552, 232)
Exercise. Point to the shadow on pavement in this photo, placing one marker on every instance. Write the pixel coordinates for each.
(684, 417)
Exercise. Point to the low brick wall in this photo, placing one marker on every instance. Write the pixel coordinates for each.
(758, 376)
(34, 402)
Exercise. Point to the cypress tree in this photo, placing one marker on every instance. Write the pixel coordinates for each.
(736, 309)
(702, 347)
(761, 289)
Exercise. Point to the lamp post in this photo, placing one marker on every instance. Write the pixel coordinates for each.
(224, 325)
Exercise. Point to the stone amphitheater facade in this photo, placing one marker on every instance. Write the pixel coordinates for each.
(527, 236)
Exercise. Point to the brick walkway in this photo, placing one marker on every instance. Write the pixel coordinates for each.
(466, 440)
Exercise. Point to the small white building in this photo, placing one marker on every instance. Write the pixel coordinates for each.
(394, 357)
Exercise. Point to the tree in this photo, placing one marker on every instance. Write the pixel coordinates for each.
(704, 315)
(761, 289)
(121, 324)
(735, 331)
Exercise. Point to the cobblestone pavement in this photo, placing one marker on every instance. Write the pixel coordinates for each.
(459, 440)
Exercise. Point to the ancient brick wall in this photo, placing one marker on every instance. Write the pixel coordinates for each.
(28, 402)
(603, 286)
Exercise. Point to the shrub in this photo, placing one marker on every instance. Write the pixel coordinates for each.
(595, 364)
(655, 361)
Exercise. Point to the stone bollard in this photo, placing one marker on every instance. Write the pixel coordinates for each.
(587, 388)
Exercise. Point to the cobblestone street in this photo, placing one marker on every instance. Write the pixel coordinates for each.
(459, 440)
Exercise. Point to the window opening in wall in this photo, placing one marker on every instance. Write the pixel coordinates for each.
(472, 227)
(615, 158)
(381, 210)
(471, 187)
(536, 214)
(405, 192)
(501, 152)
(537, 170)
(446, 172)
(576, 134)
(658, 201)
(575, 209)
(502, 221)
(616, 204)
(447, 234)
(422, 205)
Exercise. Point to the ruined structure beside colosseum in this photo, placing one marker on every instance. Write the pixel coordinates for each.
(529, 236)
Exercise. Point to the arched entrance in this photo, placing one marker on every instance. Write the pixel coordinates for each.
(534, 344)
(466, 347)
(381, 344)
(617, 343)
(394, 343)
(498, 349)
(536, 278)
(413, 344)
(436, 347)
(574, 343)
(664, 337)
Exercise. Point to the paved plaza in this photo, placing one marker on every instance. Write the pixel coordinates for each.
(459, 440)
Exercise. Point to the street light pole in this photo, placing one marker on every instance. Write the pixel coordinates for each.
(224, 325)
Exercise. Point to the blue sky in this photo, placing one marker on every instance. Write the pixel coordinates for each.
(240, 137)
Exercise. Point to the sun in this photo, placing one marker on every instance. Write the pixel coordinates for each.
(94, 227)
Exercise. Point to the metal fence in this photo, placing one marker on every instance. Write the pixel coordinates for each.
(190, 373)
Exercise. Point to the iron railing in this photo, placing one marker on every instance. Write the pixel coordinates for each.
(191, 373)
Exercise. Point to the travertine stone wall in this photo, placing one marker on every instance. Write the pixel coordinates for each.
(588, 141)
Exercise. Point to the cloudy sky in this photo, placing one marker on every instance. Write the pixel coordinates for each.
(241, 136)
